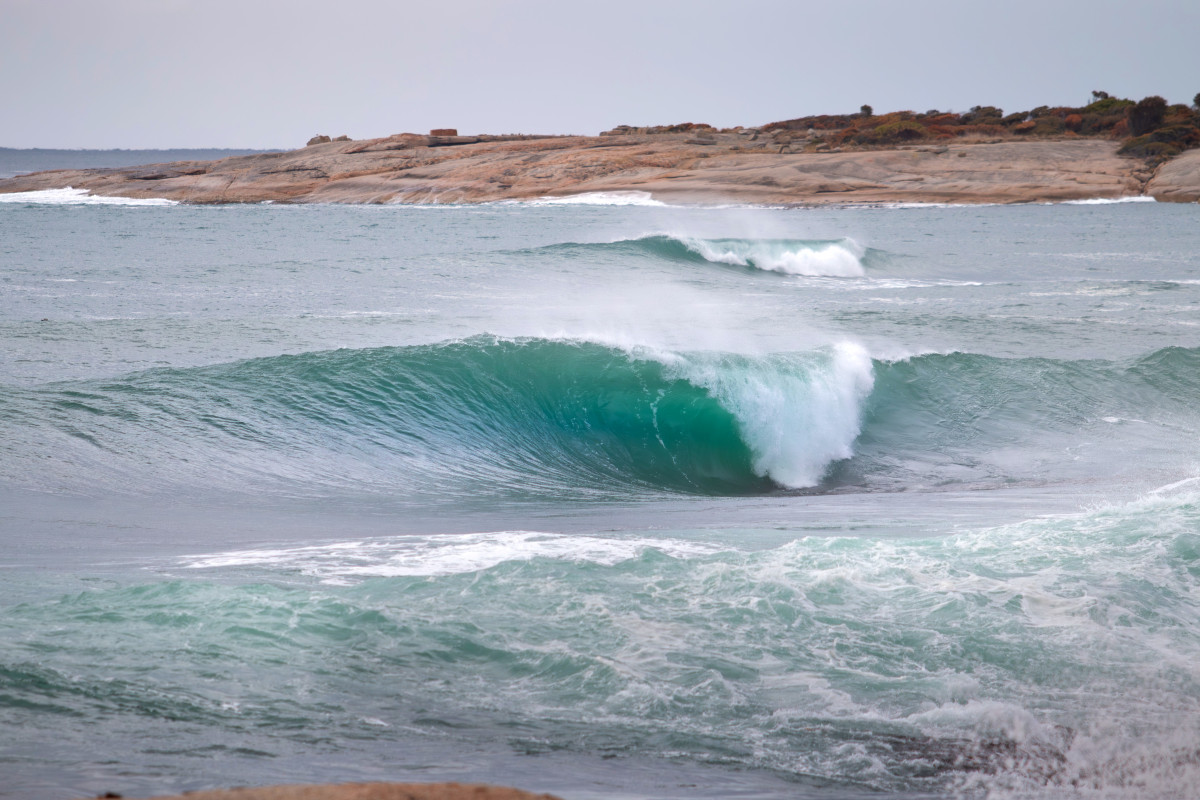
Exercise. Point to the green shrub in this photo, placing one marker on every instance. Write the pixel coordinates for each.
(1107, 105)
(982, 114)
(1048, 126)
(902, 131)
(1141, 146)
(1167, 141)
(1146, 115)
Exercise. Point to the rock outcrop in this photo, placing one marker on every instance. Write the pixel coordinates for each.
(368, 791)
(695, 166)
(1177, 180)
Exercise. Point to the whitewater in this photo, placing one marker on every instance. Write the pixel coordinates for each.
(602, 497)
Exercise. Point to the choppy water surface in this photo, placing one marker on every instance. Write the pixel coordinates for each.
(604, 500)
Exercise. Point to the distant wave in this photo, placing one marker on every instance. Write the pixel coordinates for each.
(1104, 201)
(1093, 201)
(79, 197)
(626, 198)
(841, 258)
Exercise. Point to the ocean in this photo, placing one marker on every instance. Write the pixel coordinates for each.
(19, 161)
(604, 498)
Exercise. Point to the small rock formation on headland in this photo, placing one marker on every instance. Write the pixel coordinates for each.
(320, 138)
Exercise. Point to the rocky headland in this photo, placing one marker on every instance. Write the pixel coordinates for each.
(689, 167)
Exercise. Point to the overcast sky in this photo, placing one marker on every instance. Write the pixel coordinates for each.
(269, 73)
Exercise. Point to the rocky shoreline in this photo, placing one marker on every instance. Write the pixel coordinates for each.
(365, 791)
(726, 167)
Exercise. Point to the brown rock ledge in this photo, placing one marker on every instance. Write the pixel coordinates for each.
(1178, 180)
(368, 791)
(728, 168)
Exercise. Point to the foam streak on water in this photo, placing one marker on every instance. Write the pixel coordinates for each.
(1014, 661)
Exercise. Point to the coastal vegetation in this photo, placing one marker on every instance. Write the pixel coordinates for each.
(1149, 128)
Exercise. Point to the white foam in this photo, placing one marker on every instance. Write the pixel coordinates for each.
(796, 412)
(796, 418)
(80, 197)
(1104, 201)
(835, 259)
(1091, 201)
(629, 198)
(449, 554)
(902, 205)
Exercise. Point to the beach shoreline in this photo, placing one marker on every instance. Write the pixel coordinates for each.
(726, 168)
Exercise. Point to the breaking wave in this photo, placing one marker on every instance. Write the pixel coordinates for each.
(476, 417)
(840, 258)
(565, 418)
(79, 197)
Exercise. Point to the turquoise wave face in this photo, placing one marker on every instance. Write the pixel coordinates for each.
(531, 418)
(968, 419)
(480, 416)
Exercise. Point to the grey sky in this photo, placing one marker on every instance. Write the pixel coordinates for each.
(269, 73)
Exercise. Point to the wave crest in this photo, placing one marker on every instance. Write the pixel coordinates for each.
(834, 258)
(80, 197)
(473, 418)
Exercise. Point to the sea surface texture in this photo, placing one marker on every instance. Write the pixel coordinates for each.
(609, 499)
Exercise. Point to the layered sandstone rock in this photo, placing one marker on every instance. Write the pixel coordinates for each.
(1178, 180)
(685, 168)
